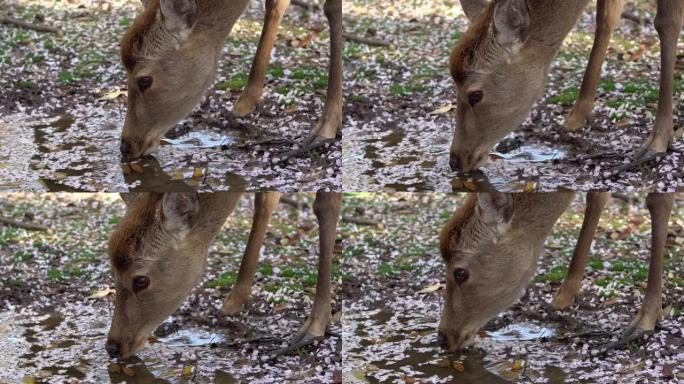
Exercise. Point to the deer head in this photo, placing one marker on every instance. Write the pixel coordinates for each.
(169, 67)
(487, 266)
(497, 80)
(156, 261)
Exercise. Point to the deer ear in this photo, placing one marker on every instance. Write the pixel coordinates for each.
(145, 3)
(511, 22)
(178, 15)
(473, 8)
(496, 208)
(180, 211)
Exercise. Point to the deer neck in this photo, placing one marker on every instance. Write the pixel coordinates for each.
(551, 21)
(535, 215)
(214, 210)
(215, 19)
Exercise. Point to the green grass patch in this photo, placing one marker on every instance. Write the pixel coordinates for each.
(557, 274)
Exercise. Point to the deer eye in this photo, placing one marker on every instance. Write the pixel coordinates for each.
(460, 276)
(475, 97)
(140, 283)
(144, 83)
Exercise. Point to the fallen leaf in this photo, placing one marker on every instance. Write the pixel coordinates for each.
(432, 288)
(100, 293)
(408, 379)
(128, 371)
(443, 109)
(518, 365)
(113, 94)
(458, 366)
(188, 370)
(137, 168)
(114, 368)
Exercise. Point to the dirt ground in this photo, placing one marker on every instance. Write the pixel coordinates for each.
(400, 102)
(53, 331)
(62, 105)
(393, 301)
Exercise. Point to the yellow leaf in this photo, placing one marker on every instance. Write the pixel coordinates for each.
(443, 109)
(187, 371)
(432, 288)
(100, 293)
(518, 365)
(530, 187)
(113, 94)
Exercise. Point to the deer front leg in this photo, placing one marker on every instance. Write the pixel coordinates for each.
(327, 208)
(330, 121)
(596, 202)
(607, 17)
(275, 9)
(660, 206)
(264, 204)
(668, 22)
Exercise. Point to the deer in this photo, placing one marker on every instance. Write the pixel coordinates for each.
(158, 253)
(491, 247)
(500, 64)
(171, 53)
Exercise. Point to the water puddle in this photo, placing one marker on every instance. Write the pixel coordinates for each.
(196, 140)
(74, 151)
(521, 332)
(414, 156)
(69, 345)
(397, 343)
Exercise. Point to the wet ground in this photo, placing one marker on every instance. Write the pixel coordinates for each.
(62, 105)
(55, 309)
(401, 108)
(394, 300)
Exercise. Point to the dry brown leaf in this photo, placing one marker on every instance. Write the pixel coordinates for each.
(128, 371)
(458, 366)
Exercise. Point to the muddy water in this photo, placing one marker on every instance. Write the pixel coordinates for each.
(60, 346)
(67, 153)
(417, 159)
(386, 346)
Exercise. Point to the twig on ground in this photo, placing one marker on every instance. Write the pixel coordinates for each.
(305, 4)
(27, 25)
(293, 203)
(23, 225)
(366, 40)
(361, 221)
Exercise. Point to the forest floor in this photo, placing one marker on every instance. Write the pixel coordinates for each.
(401, 107)
(52, 330)
(63, 103)
(394, 298)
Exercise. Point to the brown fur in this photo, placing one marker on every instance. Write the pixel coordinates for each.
(463, 53)
(132, 40)
(140, 215)
(448, 236)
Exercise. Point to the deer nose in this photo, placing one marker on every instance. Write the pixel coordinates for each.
(455, 163)
(125, 148)
(112, 348)
(442, 340)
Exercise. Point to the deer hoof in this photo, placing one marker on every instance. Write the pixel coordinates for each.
(244, 106)
(576, 120)
(233, 305)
